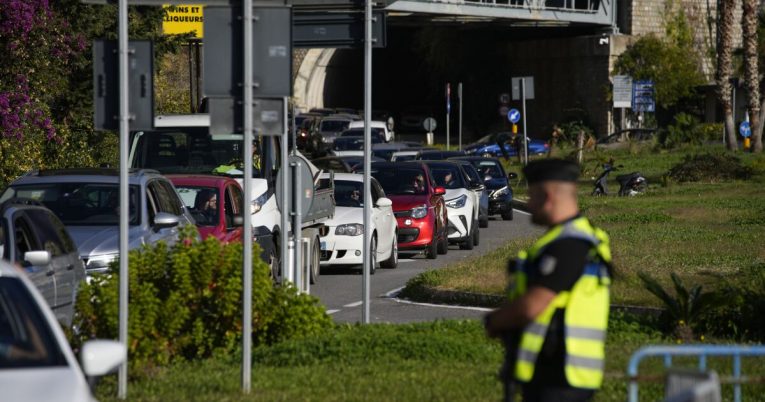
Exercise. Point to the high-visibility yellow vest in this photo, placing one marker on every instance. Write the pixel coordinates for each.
(586, 308)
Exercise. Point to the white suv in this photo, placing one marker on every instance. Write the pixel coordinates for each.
(374, 124)
(461, 203)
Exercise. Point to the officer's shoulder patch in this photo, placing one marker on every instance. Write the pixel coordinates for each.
(547, 265)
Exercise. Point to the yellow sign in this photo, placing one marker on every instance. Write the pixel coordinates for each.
(183, 18)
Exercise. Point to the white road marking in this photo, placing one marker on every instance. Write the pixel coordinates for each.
(330, 312)
(406, 260)
(521, 212)
(354, 304)
(394, 293)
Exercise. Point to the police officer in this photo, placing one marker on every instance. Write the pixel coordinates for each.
(557, 312)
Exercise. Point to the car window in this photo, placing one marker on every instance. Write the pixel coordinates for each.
(202, 203)
(3, 238)
(81, 204)
(165, 200)
(401, 181)
(49, 232)
(489, 169)
(447, 176)
(377, 191)
(472, 174)
(230, 207)
(24, 237)
(24, 332)
(175, 206)
(349, 193)
(334, 125)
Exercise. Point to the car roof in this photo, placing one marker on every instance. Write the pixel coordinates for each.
(472, 158)
(440, 163)
(77, 175)
(373, 123)
(345, 176)
(201, 180)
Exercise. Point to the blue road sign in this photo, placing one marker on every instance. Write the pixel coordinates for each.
(745, 129)
(643, 99)
(514, 116)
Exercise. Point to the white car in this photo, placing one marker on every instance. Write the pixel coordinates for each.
(462, 204)
(374, 124)
(36, 362)
(343, 243)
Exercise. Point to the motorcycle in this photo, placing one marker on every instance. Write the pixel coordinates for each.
(630, 184)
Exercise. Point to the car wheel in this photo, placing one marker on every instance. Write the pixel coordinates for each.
(373, 256)
(443, 244)
(476, 237)
(392, 261)
(432, 251)
(315, 261)
(467, 244)
(507, 216)
(483, 223)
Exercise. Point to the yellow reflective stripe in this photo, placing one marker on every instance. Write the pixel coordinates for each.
(585, 348)
(524, 370)
(531, 342)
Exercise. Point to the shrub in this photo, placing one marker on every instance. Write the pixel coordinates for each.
(709, 167)
(186, 303)
(741, 315)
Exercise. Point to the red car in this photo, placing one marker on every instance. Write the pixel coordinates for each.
(418, 205)
(202, 196)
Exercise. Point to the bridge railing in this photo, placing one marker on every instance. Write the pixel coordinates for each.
(561, 5)
(700, 351)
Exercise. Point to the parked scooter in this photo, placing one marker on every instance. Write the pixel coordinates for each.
(629, 184)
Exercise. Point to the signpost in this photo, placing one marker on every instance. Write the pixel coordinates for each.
(745, 129)
(448, 111)
(622, 94)
(643, 96)
(459, 96)
(429, 125)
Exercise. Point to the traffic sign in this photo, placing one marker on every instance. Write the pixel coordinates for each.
(503, 110)
(183, 18)
(745, 129)
(429, 124)
(622, 91)
(504, 99)
(643, 96)
(448, 98)
(514, 116)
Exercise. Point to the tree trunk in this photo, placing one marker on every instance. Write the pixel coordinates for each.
(725, 67)
(751, 69)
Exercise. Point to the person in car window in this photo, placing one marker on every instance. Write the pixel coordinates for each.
(207, 205)
(449, 181)
(418, 184)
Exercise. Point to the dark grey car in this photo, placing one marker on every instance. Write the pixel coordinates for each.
(32, 237)
(86, 201)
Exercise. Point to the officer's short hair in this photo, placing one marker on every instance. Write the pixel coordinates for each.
(551, 170)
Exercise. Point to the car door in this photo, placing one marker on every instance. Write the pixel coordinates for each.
(64, 262)
(23, 239)
(233, 203)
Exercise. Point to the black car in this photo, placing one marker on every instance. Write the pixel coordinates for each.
(497, 184)
(342, 164)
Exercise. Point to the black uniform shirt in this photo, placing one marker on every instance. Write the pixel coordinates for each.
(557, 268)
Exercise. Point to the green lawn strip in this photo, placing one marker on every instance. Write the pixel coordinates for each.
(704, 232)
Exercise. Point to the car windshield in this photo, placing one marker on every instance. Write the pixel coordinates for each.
(489, 169)
(447, 176)
(202, 202)
(406, 157)
(401, 181)
(348, 193)
(375, 132)
(24, 334)
(80, 204)
(348, 144)
(334, 125)
(472, 174)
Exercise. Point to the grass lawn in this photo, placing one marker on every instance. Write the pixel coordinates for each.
(704, 232)
(437, 361)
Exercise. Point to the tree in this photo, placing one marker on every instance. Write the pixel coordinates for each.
(749, 18)
(725, 67)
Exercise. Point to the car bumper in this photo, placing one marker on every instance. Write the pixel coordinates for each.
(500, 206)
(341, 250)
(459, 222)
(416, 234)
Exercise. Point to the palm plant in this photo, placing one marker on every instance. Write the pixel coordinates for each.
(684, 308)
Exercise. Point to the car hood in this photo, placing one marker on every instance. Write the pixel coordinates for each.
(98, 240)
(406, 202)
(345, 215)
(493, 184)
(43, 384)
(452, 193)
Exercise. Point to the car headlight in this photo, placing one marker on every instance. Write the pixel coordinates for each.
(458, 202)
(257, 204)
(350, 229)
(420, 211)
(101, 262)
(500, 192)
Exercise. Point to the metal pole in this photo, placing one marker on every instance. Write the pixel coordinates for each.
(525, 145)
(459, 94)
(247, 228)
(296, 223)
(198, 73)
(124, 200)
(366, 249)
(284, 222)
(191, 79)
(294, 129)
(448, 109)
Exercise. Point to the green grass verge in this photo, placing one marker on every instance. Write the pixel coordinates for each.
(436, 361)
(704, 232)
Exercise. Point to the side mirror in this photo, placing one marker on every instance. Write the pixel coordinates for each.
(512, 175)
(101, 357)
(165, 220)
(384, 202)
(439, 191)
(478, 187)
(37, 258)
(237, 221)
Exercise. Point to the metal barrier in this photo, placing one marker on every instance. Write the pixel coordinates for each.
(702, 351)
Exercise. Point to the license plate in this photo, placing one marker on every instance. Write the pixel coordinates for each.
(323, 245)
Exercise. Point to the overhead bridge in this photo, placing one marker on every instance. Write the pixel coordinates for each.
(539, 12)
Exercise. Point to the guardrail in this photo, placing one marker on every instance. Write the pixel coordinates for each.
(702, 351)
